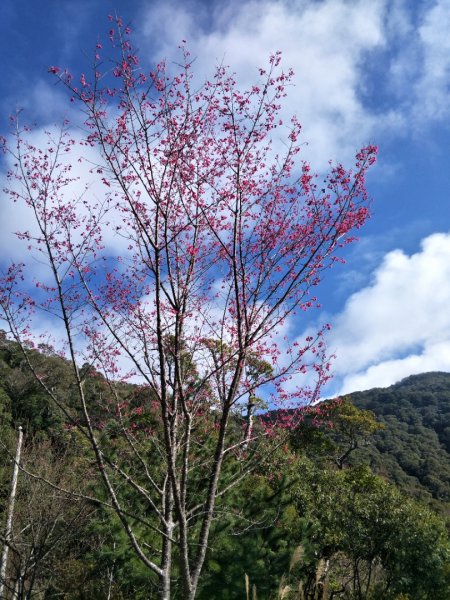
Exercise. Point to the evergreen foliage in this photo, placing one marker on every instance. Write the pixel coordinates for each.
(413, 448)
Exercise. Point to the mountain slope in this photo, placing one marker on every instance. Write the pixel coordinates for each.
(413, 450)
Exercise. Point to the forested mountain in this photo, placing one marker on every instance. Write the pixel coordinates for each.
(413, 448)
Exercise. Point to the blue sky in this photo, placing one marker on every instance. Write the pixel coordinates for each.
(367, 71)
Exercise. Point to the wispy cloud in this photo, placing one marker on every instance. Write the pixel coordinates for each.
(432, 88)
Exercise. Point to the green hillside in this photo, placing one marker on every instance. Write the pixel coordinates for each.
(413, 449)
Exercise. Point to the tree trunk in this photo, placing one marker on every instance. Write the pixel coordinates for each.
(9, 519)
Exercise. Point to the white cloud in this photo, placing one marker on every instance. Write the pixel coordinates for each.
(325, 42)
(400, 323)
(419, 69)
(48, 102)
(432, 89)
(433, 357)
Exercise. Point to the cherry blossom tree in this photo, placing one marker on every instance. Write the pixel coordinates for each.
(222, 240)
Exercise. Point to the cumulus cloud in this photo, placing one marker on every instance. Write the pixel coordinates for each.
(400, 323)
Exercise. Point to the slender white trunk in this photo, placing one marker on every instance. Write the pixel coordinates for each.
(111, 575)
(9, 519)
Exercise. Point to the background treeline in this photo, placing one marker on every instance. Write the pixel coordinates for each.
(321, 518)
